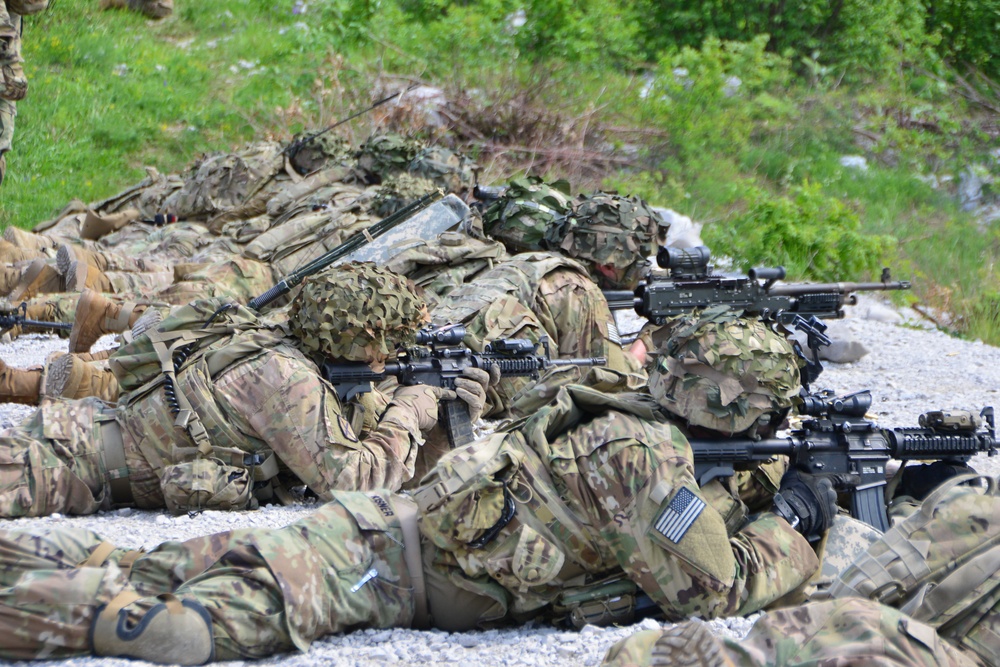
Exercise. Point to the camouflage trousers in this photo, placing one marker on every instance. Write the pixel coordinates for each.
(836, 633)
(266, 590)
(51, 462)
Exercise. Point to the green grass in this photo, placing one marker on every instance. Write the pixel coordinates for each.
(111, 93)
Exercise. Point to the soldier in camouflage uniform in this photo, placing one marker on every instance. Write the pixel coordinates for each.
(234, 407)
(13, 84)
(552, 519)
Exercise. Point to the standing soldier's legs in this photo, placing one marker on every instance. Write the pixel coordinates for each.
(13, 85)
(52, 461)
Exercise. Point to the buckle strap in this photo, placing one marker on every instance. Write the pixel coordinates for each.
(115, 465)
(406, 510)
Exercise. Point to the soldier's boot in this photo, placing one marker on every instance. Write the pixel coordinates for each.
(11, 254)
(9, 278)
(174, 631)
(103, 355)
(27, 240)
(69, 376)
(18, 385)
(690, 643)
(39, 278)
(79, 276)
(95, 226)
(97, 316)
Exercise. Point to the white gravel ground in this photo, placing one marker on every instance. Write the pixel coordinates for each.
(909, 370)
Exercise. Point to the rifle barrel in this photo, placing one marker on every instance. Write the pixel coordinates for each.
(801, 289)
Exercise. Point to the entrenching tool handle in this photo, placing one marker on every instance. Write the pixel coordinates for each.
(457, 422)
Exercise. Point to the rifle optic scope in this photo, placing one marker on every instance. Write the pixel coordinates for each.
(451, 334)
(852, 405)
(684, 262)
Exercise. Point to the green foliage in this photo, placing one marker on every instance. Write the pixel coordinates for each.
(969, 31)
(813, 236)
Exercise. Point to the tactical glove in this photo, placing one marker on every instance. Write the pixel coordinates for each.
(807, 502)
(420, 401)
(471, 388)
(919, 480)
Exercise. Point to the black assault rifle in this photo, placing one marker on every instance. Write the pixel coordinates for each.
(438, 358)
(839, 441)
(18, 317)
(690, 285)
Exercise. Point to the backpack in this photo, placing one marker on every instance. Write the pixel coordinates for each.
(940, 565)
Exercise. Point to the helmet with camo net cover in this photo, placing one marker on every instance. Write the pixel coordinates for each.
(722, 371)
(398, 191)
(448, 170)
(612, 235)
(525, 215)
(320, 152)
(356, 311)
(383, 155)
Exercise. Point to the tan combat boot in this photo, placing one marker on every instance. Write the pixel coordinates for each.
(80, 275)
(11, 254)
(97, 316)
(174, 631)
(39, 278)
(19, 386)
(95, 226)
(27, 240)
(103, 355)
(9, 278)
(69, 376)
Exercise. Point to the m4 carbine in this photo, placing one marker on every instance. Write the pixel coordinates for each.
(690, 285)
(438, 358)
(837, 440)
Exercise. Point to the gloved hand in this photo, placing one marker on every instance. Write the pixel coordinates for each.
(471, 388)
(919, 480)
(421, 401)
(807, 502)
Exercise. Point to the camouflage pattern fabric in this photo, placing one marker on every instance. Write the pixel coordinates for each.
(439, 266)
(320, 152)
(357, 312)
(13, 84)
(384, 155)
(446, 169)
(267, 590)
(236, 278)
(52, 461)
(838, 633)
(611, 235)
(529, 296)
(596, 482)
(524, 218)
(722, 371)
(399, 191)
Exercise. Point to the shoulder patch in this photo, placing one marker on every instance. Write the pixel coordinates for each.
(679, 514)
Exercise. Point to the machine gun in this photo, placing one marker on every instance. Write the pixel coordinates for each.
(837, 440)
(438, 358)
(18, 317)
(690, 285)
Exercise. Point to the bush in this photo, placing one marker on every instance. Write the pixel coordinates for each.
(813, 236)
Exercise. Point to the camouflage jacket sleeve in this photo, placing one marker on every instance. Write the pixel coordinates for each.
(299, 416)
(575, 314)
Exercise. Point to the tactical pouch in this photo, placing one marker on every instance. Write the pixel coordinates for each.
(604, 604)
(206, 484)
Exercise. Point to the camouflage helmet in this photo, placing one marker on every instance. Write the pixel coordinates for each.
(398, 191)
(383, 155)
(450, 171)
(356, 311)
(612, 235)
(526, 215)
(722, 371)
(325, 150)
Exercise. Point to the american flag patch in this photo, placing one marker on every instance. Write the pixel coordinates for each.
(677, 517)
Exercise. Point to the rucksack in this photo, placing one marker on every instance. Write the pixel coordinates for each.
(525, 218)
(940, 565)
